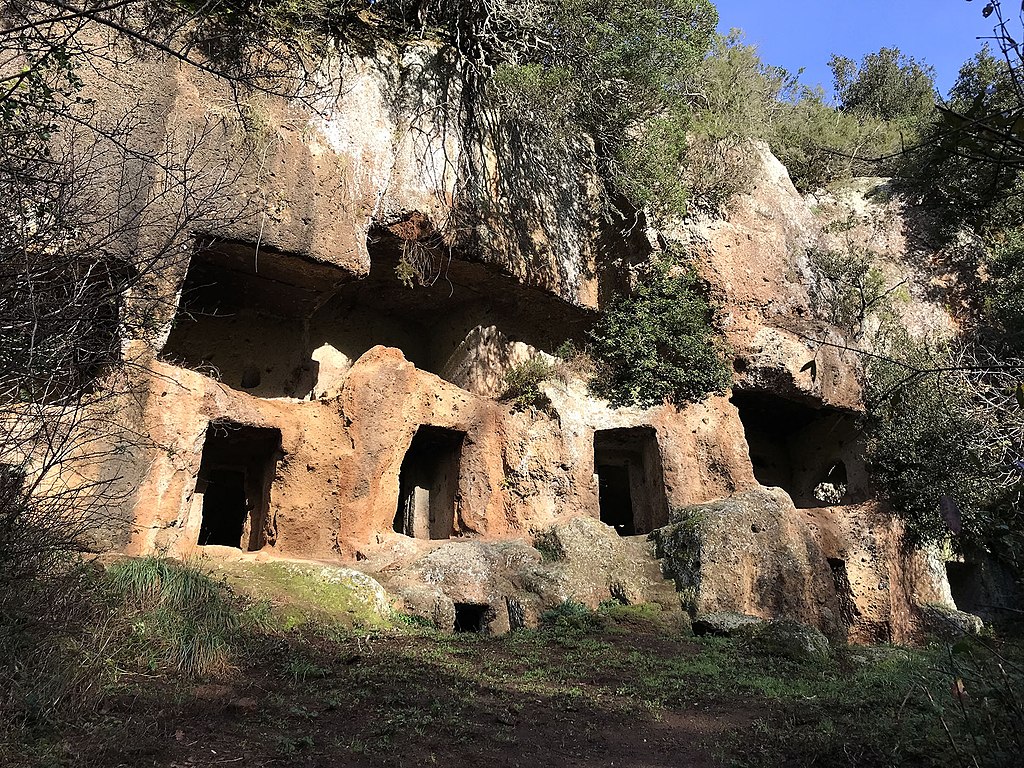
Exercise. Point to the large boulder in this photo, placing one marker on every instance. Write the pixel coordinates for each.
(948, 623)
(723, 623)
(751, 553)
(582, 561)
(790, 640)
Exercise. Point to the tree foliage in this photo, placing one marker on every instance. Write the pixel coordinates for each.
(658, 343)
(887, 84)
(611, 71)
(945, 444)
(963, 166)
(90, 213)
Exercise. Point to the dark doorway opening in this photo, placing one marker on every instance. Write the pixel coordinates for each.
(844, 591)
(615, 498)
(811, 453)
(472, 617)
(428, 486)
(235, 478)
(225, 508)
(630, 480)
(966, 586)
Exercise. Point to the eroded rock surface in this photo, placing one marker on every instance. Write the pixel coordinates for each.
(292, 397)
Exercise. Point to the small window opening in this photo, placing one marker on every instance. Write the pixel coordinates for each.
(831, 488)
(251, 378)
(428, 485)
(235, 478)
(472, 617)
(788, 440)
(848, 611)
(630, 480)
(965, 585)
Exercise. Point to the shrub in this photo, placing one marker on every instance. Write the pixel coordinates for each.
(1004, 292)
(610, 71)
(569, 615)
(937, 452)
(962, 167)
(820, 144)
(522, 384)
(658, 343)
(848, 288)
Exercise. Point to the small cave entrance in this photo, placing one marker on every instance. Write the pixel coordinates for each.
(966, 586)
(428, 485)
(630, 480)
(235, 477)
(814, 454)
(472, 617)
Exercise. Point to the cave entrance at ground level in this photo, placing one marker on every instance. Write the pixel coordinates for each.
(428, 486)
(630, 480)
(472, 617)
(966, 586)
(235, 477)
(811, 453)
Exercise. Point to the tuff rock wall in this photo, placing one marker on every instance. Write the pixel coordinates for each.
(328, 190)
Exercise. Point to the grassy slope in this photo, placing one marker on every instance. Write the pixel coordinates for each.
(626, 686)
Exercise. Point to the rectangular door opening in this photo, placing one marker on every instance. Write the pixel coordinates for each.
(235, 478)
(630, 480)
(428, 486)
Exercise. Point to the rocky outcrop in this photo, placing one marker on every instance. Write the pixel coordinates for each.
(753, 554)
(843, 570)
(580, 562)
(293, 398)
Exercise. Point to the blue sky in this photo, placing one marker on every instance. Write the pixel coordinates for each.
(803, 33)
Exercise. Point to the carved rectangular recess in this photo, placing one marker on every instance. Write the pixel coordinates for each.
(473, 617)
(428, 485)
(812, 453)
(235, 478)
(631, 482)
(277, 324)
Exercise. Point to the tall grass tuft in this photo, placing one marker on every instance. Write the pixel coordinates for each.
(176, 616)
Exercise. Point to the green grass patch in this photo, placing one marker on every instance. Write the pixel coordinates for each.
(298, 595)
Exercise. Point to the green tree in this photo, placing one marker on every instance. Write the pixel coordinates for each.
(658, 343)
(613, 71)
(886, 84)
(967, 163)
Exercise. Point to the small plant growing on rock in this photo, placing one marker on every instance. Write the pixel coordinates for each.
(522, 384)
(848, 289)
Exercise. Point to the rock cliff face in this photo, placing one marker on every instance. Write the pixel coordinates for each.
(297, 400)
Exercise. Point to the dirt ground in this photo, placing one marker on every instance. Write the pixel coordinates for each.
(539, 699)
